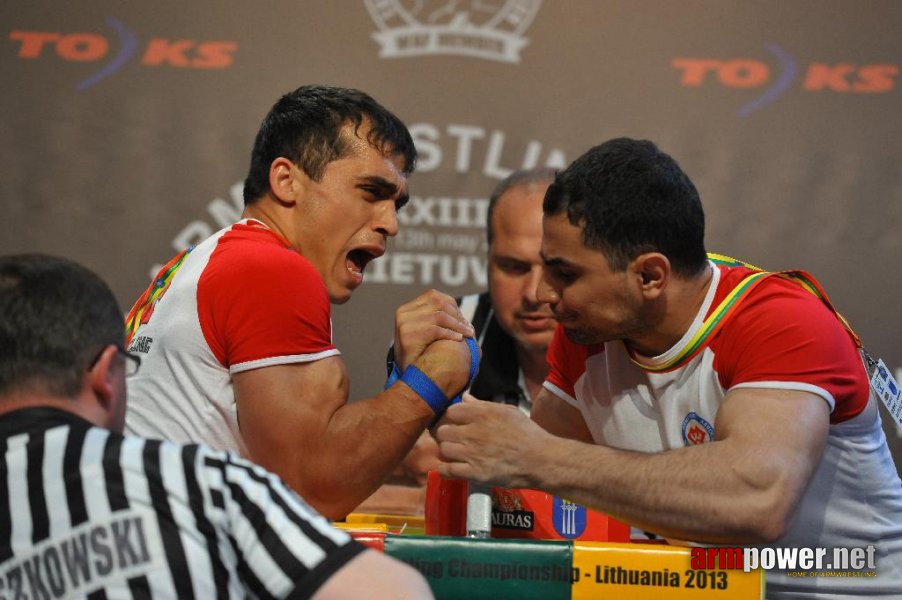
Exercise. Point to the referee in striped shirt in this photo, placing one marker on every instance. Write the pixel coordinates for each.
(86, 512)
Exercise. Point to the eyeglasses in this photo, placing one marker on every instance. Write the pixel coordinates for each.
(132, 361)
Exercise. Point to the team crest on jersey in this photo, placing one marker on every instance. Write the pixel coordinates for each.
(569, 518)
(696, 430)
(489, 29)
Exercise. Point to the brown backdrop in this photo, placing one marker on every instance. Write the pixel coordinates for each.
(128, 126)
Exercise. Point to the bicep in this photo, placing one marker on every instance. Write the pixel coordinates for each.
(284, 411)
(781, 433)
(559, 418)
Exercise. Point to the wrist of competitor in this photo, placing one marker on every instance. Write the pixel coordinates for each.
(426, 389)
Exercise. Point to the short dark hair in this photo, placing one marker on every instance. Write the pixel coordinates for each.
(522, 177)
(305, 126)
(55, 318)
(631, 198)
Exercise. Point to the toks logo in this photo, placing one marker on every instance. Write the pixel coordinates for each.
(846, 77)
(93, 47)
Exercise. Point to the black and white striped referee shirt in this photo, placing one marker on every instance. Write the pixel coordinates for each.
(87, 512)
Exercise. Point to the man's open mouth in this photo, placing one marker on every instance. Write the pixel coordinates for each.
(358, 259)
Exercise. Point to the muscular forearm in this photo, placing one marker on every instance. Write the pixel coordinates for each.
(742, 487)
(333, 452)
(369, 438)
(363, 442)
(709, 493)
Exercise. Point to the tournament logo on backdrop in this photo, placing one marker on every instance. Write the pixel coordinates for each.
(489, 29)
(696, 430)
(569, 518)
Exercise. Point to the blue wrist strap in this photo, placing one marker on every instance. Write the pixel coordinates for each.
(426, 388)
(474, 368)
(394, 376)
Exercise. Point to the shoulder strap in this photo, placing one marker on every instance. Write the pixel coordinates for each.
(143, 308)
(727, 308)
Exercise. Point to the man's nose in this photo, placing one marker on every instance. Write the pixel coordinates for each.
(387, 219)
(531, 285)
(546, 293)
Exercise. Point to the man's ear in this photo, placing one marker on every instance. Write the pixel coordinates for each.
(102, 378)
(652, 271)
(283, 181)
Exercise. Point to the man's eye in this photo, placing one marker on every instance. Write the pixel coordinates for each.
(563, 276)
(513, 268)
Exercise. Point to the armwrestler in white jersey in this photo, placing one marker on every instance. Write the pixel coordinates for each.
(697, 419)
(236, 335)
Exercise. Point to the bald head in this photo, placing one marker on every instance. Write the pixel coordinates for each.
(515, 238)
